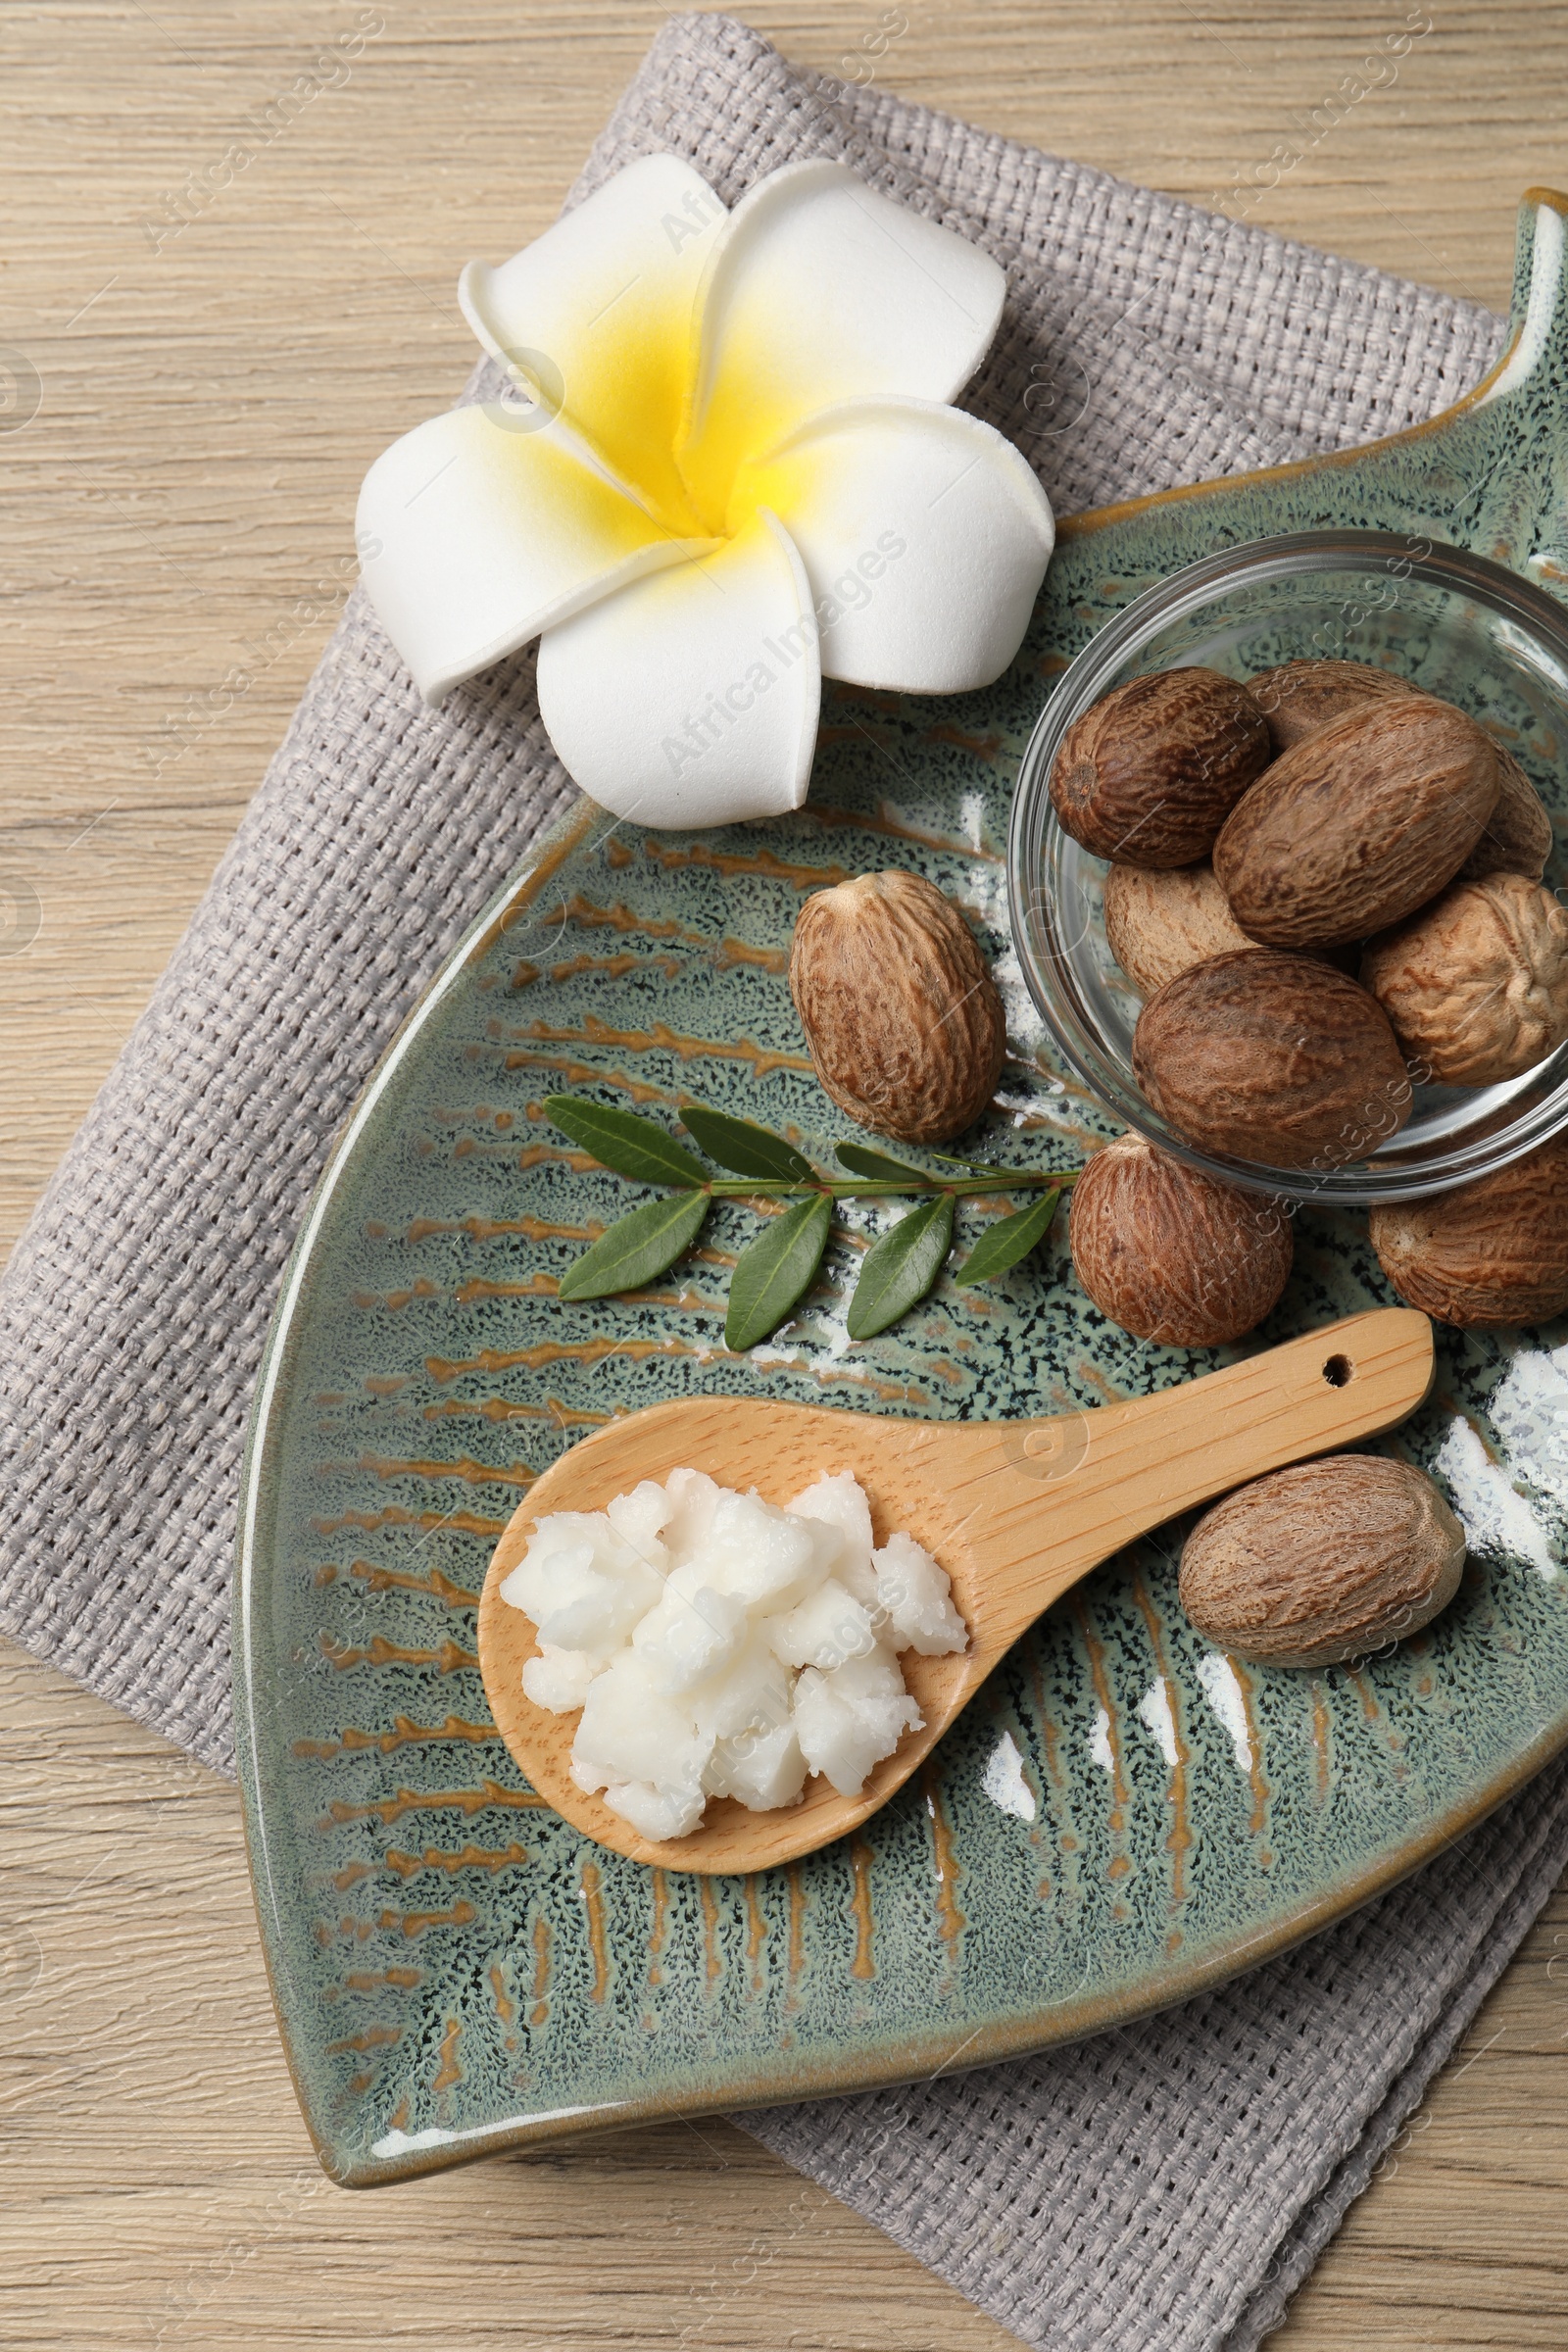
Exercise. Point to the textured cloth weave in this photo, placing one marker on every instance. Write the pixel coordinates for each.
(1156, 2189)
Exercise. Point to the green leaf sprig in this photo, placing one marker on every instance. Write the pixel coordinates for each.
(775, 1270)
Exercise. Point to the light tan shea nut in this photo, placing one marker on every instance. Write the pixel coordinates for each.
(1299, 697)
(1489, 1255)
(1330, 1560)
(1274, 1057)
(1359, 824)
(1518, 837)
(1160, 923)
(1173, 1255)
(1150, 774)
(900, 1010)
(1476, 985)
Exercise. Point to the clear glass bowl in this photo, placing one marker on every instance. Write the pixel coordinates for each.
(1449, 620)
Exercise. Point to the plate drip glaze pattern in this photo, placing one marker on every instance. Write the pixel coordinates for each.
(1125, 1815)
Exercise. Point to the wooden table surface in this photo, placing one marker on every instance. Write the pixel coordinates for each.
(184, 424)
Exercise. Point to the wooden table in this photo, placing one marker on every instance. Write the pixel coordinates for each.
(206, 402)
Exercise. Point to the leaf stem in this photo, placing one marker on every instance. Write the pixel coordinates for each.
(868, 1188)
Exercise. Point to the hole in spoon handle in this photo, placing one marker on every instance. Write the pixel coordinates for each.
(1130, 1467)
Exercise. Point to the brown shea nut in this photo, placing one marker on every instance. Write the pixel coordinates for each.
(1489, 1254)
(1476, 985)
(900, 1013)
(1160, 923)
(1150, 774)
(1173, 1255)
(1300, 697)
(1274, 1057)
(1358, 825)
(1329, 1560)
(1517, 836)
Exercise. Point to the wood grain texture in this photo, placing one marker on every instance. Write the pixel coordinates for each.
(178, 506)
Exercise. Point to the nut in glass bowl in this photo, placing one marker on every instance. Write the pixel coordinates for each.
(1439, 618)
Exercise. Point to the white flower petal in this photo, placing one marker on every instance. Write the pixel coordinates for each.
(819, 290)
(596, 318)
(691, 699)
(475, 535)
(924, 534)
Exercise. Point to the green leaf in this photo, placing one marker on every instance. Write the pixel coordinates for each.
(901, 1267)
(619, 1140)
(637, 1247)
(1008, 1240)
(746, 1150)
(980, 1167)
(862, 1162)
(774, 1271)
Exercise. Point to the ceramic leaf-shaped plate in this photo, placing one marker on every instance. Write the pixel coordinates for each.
(1125, 1816)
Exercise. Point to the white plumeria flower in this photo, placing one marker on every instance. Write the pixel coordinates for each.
(734, 471)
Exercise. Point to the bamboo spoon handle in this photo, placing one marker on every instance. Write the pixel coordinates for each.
(1051, 1500)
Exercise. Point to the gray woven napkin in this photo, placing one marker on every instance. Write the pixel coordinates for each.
(1159, 2187)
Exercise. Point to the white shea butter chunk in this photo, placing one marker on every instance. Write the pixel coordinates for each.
(691, 1631)
(559, 1678)
(583, 1585)
(917, 1598)
(720, 1646)
(824, 1629)
(840, 1503)
(849, 1720)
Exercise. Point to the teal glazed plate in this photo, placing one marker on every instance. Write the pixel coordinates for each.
(1125, 1816)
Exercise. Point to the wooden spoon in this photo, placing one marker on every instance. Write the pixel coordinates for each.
(1014, 1511)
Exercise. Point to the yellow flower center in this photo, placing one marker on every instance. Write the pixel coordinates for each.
(626, 397)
